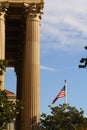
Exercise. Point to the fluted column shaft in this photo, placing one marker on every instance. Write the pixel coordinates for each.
(31, 79)
(3, 10)
(2, 43)
(31, 71)
(2, 35)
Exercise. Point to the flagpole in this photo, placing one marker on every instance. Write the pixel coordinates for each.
(65, 99)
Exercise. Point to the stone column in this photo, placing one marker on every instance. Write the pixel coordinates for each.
(3, 9)
(2, 35)
(2, 43)
(30, 92)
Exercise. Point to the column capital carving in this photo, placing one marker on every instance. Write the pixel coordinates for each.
(3, 7)
(34, 9)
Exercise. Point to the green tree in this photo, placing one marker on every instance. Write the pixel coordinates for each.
(3, 64)
(8, 109)
(63, 117)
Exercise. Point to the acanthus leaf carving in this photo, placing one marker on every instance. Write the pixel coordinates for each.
(34, 9)
(3, 7)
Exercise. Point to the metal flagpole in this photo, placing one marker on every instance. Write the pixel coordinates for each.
(65, 84)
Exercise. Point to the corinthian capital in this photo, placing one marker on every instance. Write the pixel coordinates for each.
(34, 9)
(3, 7)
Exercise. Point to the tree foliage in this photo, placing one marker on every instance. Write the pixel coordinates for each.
(3, 64)
(8, 109)
(63, 117)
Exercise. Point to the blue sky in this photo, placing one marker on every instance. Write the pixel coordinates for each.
(63, 37)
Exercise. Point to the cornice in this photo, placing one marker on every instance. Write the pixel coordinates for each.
(22, 1)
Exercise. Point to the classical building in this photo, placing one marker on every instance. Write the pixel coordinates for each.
(20, 45)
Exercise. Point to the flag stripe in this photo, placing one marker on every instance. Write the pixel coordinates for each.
(60, 94)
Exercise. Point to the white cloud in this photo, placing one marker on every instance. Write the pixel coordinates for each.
(47, 68)
(64, 25)
(56, 70)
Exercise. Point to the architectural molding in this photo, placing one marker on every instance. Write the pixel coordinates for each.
(21, 1)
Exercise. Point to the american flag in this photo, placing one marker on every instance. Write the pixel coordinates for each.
(60, 94)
